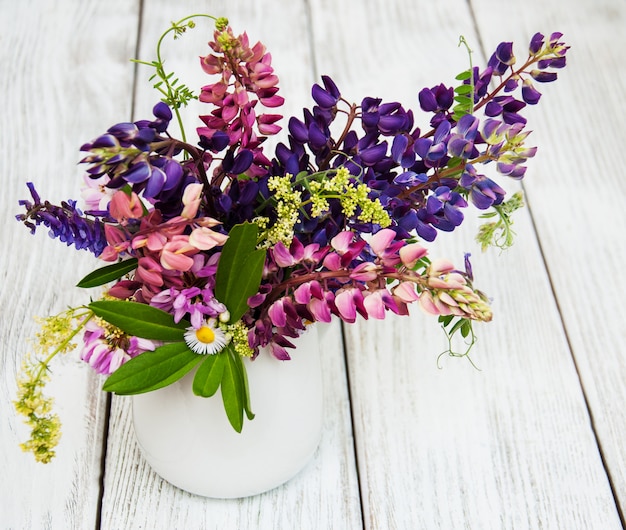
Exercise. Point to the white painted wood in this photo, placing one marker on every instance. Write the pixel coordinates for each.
(325, 494)
(57, 60)
(578, 195)
(509, 446)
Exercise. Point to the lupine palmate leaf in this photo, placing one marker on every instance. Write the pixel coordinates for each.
(239, 270)
(209, 375)
(107, 274)
(232, 391)
(140, 320)
(152, 370)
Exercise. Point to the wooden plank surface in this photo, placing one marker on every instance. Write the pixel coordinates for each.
(578, 197)
(58, 59)
(533, 439)
(510, 446)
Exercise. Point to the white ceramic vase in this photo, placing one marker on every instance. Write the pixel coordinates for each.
(189, 442)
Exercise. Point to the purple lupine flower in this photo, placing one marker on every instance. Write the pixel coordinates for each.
(484, 192)
(65, 222)
(328, 96)
(444, 206)
(536, 43)
(502, 59)
(437, 100)
(461, 142)
(506, 106)
(542, 76)
(195, 303)
(529, 93)
(433, 150)
(106, 351)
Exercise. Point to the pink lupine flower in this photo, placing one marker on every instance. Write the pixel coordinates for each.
(440, 266)
(410, 254)
(349, 302)
(381, 240)
(302, 294)
(277, 313)
(406, 292)
(191, 200)
(332, 261)
(117, 241)
(306, 291)
(124, 289)
(365, 272)
(313, 253)
(376, 302)
(431, 303)
(149, 271)
(283, 313)
(176, 254)
(123, 207)
(374, 305)
(193, 301)
(285, 257)
(279, 352)
(204, 238)
(383, 245)
(267, 123)
(342, 241)
(320, 310)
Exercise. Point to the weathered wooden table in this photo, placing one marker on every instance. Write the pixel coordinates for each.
(534, 439)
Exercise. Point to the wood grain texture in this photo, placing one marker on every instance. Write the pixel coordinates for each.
(510, 446)
(57, 60)
(578, 194)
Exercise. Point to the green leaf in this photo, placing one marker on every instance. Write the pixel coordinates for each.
(140, 320)
(239, 270)
(463, 100)
(209, 376)
(445, 320)
(464, 89)
(246, 390)
(107, 274)
(152, 370)
(232, 391)
(457, 325)
(464, 75)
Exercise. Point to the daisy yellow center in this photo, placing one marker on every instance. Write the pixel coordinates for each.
(205, 335)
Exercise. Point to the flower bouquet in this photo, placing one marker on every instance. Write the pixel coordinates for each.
(217, 250)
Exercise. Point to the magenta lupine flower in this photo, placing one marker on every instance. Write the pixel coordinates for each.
(246, 76)
(106, 348)
(349, 302)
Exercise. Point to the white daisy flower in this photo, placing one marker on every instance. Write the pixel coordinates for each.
(207, 339)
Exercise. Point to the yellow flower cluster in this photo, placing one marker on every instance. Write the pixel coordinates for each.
(338, 186)
(44, 424)
(238, 334)
(288, 203)
(350, 197)
(55, 336)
